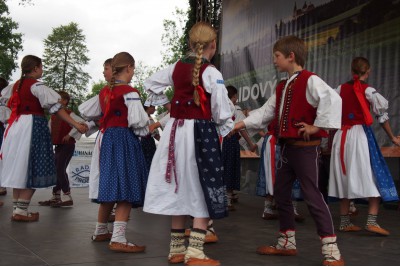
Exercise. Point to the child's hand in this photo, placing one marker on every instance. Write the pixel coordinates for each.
(396, 140)
(253, 148)
(66, 138)
(306, 130)
(82, 127)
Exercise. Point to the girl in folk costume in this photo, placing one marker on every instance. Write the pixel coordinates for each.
(231, 152)
(187, 179)
(355, 145)
(122, 174)
(27, 158)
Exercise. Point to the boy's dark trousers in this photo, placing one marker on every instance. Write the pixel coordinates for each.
(301, 162)
(63, 155)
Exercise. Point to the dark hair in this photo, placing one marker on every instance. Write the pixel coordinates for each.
(231, 91)
(108, 62)
(289, 44)
(64, 95)
(28, 64)
(360, 66)
(3, 83)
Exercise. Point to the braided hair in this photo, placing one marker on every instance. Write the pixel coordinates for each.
(200, 36)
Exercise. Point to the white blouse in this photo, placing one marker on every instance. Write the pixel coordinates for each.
(137, 117)
(221, 106)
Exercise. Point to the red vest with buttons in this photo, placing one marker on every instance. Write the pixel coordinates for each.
(29, 104)
(295, 107)
(352, 113)
(59, 129)
(182, 104)
(117, 113)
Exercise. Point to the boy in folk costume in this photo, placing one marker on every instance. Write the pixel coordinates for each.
(27, 158)
(63, 137)
(188, 177)
(301, 106)
(358, 169)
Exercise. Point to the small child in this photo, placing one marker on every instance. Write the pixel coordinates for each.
(63, 137)
(231, 151)
(122, 173)
(301, 106)
(365, 175)
(27, 157)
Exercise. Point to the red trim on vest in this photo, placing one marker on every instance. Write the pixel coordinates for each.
(182, 104)
(115, 112)
(59, 129)
(295, 107)
(352, 111)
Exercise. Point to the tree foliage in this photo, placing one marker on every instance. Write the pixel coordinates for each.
(10, 42)
(65, 55)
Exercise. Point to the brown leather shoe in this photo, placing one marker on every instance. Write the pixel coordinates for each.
(202, 262)
(377, 230)
(350, 228)
(47, 202)
(102, 237)
(31, 217)
(269, 216)
(126, 247)
(176, 258)
(60, 203)
(333, 263)
(272, 250)
(211, 237)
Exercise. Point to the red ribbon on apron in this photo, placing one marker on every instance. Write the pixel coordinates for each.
(171, 164)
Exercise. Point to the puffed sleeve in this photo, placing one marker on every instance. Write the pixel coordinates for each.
(156, 84)
(163, 121)
(48, 98)
(74, 133)
(378, 103)
(327, 101)
(92, 128)
(91, 109)
(222, 108)
(5, 112)
(138, 119)
(261, 117)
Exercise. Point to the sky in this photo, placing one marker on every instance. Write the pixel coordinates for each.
(110, 26)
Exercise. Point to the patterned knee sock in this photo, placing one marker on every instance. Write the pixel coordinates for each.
(22, 207)
(119, 232)
(372, 220)
(101, 228)
(344, 221)
(14, 201)
(196, 244)
(177, 245)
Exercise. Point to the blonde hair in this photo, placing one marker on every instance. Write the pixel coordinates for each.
(200, 36)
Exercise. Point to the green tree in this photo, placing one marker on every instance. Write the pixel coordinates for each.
(10, 42)
(65, 54)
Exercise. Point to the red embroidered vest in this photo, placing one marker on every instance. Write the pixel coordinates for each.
(352, 113)
(115, 112)
(295, 107)
(59, 129)
(29, 104)
(182, 104)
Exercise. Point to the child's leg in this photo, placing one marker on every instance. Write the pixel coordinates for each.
(269, 212)
(101, 232)
(63, 155)
(23, 198)
(118, 240)
(345, 223)
(372, 224)
(177, 249)
(195, 254)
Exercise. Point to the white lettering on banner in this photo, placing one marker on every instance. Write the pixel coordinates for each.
(257, 90)
(78, 169)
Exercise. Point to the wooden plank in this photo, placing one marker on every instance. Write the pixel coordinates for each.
(391, 152)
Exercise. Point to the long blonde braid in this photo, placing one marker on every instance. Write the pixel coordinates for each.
(200, 36)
